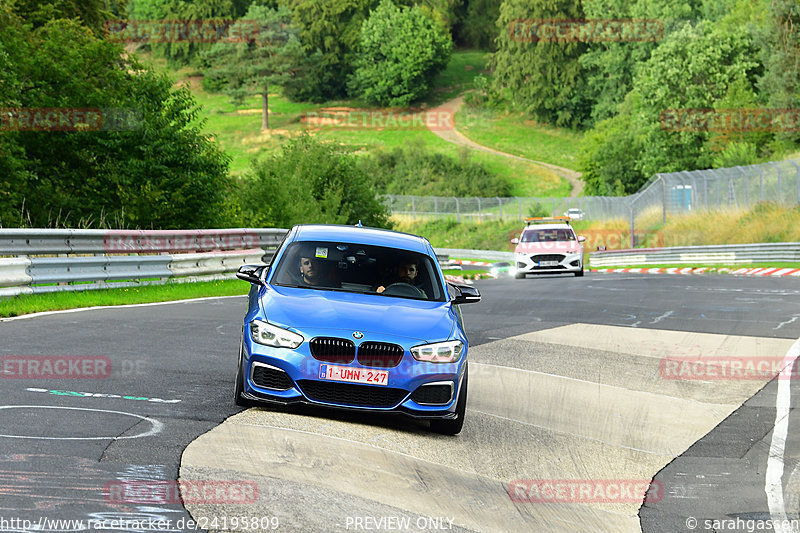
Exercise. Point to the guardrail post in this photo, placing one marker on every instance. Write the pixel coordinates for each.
(663, 199)
(480, 213)
(760, 185)
(500, 206)
(458, 210)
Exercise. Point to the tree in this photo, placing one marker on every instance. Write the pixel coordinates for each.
(543, 78)
(331, 29)
(691, 70)
(400, 52)
(181, 52)
(477, 24)
(781, 45)
(91, 13)
(156, 170)
(275, 57)
(308, 182)
(609, 155)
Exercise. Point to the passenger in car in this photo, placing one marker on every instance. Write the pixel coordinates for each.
(405, 271)
(315, 272)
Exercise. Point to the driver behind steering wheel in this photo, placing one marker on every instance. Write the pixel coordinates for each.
(404, 272)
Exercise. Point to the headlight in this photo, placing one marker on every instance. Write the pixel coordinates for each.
(440, 352)
(269, 335)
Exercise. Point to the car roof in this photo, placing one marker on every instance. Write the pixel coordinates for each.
(548, 226)
(361, 235)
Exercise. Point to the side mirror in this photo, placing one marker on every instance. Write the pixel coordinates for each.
(465, 294)
(515, 240)
(252, 273)
(581, 238)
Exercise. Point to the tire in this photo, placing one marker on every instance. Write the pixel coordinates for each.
(519, 276)
(453, 427)
(238, 389)
(579, 273)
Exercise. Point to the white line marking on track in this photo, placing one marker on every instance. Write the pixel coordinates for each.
(658, 319)
(779, 326)
(774, 476)
(156, 425)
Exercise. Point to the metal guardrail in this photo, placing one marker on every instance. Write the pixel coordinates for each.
(491, 255)
(72, 241)
(786, 252)
(47, 262)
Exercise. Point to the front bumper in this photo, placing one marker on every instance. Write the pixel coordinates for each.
(548, 263)
(414, 388)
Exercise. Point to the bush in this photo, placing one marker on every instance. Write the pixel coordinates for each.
(310, 182)
(414, 170)
(400, 51)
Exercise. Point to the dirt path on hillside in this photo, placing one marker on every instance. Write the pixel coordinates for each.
(454, 136)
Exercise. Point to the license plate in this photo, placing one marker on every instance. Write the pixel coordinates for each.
(548, 263)
(353, 375)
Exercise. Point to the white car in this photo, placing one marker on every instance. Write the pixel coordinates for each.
(548, 246)
(574, 213)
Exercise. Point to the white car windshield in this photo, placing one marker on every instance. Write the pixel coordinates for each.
(548, 235)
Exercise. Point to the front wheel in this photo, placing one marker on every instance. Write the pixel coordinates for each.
(238, 390)
(579, 273)
(453, 427)
(519, 275)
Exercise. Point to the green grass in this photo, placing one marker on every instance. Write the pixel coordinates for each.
(238, 131)
(515, 134)
(34, 303)
(458, 76)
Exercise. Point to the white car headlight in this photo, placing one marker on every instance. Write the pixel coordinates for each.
(269, 335)
(440, 352)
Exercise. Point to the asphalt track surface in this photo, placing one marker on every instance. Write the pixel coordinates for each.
(567, 382)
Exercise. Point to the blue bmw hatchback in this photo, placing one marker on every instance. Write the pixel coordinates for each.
(356, 318)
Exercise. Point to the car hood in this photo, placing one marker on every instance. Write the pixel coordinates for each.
(368, 313)
(559, 247)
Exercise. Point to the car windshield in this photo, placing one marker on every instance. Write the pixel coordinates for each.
(548, 235)
(353, 267)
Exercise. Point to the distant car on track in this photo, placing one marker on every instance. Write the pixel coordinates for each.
(341, 343)
(575, 213)
(502, 268)
(548, 246)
